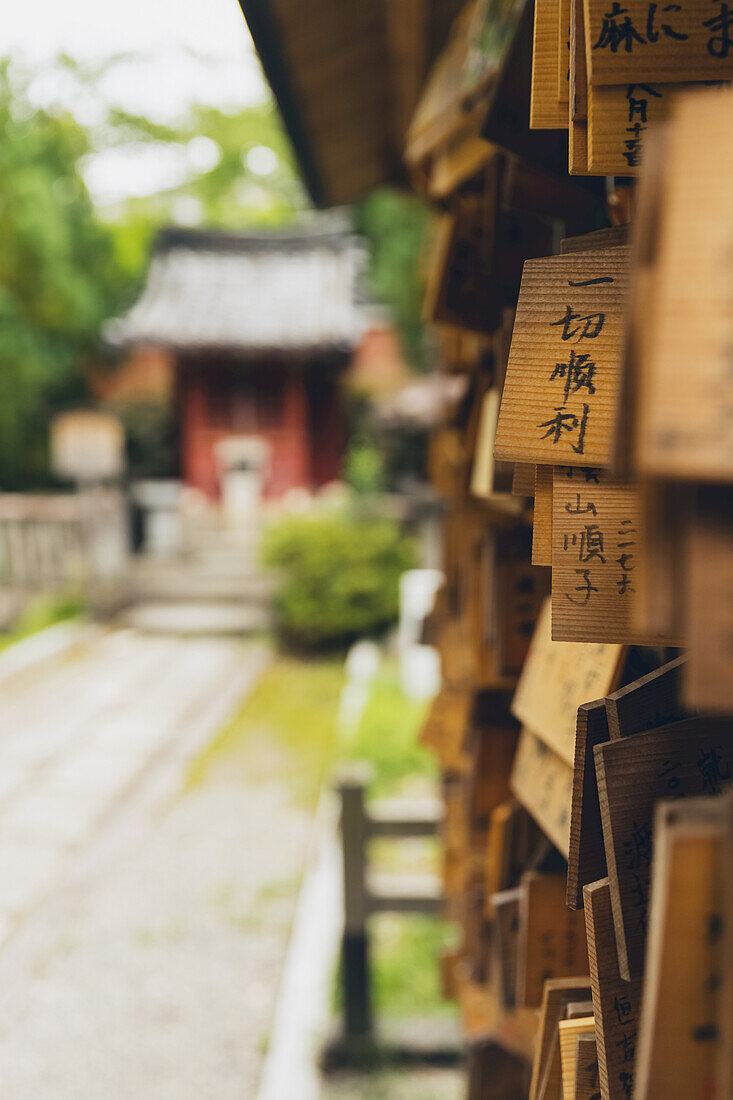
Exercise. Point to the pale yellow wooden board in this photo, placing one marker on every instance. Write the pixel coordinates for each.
(542, 521)
(568, 1032)
(645, 52)
(680, 1026)
(546, 112)
(586, 1077)
(685, 390)
(562, 382)
(543, 783)
(557, 677)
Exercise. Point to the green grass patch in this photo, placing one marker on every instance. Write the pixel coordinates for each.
(43, 612)
(387, 736)
(294, 705)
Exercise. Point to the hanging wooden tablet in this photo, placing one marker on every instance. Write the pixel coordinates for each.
(542, 522)
(679, 1029)
(520, 590)
(563, 51)
(688, 758)
(650, 42)
(725, 1060)
(684, 426)
(578, 99)
(652, 700)
(619, 119)
(546, 112)
(616, 1003)
(660, 573)
(561, 385)
(568, 1033)
(543, 783)
(551, 1086)
(557, 992)
(446, 726)
(587, 1076)
(523, 481)
(505, 907)
(709, 602)
(597, 539)
(488, 476)
(578, 105)
(551, 937)
(586, 855)
(616, 236)
(557, 677)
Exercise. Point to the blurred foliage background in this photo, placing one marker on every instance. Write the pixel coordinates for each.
(73, 253)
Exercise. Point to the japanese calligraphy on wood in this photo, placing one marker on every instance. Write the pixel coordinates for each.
(654, 41)
(598, 540)
(561, 386)
(692, 757)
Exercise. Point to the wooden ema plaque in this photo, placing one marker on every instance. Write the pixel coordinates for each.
(619, 118)
(552, 1085)
(642, 40)
(679, 1030)
(551, 937)
(547, 111)
(569, 1031)
(542, 523)
(688, 758)
(557, 677)
(446, 726)
(587, 1075)
(709, 609)
(616, 1003)
(556, 994)
(543, 783)
(595, 543)
(684, 426)
(561, 386)
(598, 543)
(505, 941)
(652, 700)
(586, 856)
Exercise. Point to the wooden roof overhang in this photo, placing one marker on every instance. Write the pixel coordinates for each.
(347, 75)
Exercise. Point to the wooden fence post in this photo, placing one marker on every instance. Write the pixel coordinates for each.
(355, 946)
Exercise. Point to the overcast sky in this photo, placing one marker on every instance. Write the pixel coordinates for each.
(186, 51)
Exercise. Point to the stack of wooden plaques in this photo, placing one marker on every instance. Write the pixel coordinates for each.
(585, 625)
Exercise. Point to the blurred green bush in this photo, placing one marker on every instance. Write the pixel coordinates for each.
(339, 576)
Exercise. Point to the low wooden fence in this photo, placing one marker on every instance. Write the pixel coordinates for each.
(50, 542)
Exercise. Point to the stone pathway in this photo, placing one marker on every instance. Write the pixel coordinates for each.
(144, 925)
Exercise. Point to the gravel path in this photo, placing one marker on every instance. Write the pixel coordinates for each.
(145, 925)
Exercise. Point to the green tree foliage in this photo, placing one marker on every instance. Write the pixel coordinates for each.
(339, 576)
(395, 225)
(58, 277)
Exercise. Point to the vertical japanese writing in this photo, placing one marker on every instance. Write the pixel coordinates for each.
(637, 96)
(576, 371)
